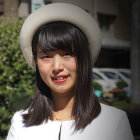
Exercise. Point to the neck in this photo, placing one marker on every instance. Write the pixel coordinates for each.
(63, 106)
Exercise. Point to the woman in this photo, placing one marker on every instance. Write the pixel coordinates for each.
(61, 43)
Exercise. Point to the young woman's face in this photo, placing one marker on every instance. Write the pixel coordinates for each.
(58, 70)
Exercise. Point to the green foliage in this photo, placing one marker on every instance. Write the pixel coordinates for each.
(121, 84)
(121, 95)
(16, 77)
(97, 86)
(123, 104)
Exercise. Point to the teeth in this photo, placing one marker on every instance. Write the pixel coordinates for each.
(60, 78)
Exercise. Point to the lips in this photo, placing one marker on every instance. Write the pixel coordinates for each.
(60, 78)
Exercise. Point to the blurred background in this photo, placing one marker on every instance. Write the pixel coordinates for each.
(116, 74)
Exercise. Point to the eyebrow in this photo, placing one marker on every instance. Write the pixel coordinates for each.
(41, 51)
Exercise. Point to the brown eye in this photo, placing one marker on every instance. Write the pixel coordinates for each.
(68, 54)
(45, 57)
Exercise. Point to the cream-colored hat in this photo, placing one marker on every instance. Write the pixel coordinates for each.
(59, 12)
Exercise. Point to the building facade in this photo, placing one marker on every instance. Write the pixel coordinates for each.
(112, 16)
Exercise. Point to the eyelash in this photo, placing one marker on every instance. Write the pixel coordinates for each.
(67, 54)
(46, 56)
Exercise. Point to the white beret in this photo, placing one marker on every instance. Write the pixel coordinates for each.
(59, 12)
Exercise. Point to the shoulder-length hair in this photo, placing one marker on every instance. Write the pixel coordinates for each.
(67, 37)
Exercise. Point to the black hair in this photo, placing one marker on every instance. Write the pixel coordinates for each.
(64, 36)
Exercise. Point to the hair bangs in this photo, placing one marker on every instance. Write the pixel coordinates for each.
(53, 38)
(64, 36)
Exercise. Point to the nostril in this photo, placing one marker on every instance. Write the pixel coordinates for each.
(56, 71)
(57, 64)
(58, 67)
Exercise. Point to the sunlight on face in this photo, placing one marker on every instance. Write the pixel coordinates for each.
(58, 70)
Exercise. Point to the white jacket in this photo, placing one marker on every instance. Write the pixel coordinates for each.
(111, 124)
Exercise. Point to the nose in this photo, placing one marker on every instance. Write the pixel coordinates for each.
(57, 64)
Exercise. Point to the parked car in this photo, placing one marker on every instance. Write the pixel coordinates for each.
(105, 82)
(126, 74)
(117, 75)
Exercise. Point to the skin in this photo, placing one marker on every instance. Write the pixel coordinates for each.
(58, 70)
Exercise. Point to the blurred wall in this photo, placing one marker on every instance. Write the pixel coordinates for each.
(10, 7)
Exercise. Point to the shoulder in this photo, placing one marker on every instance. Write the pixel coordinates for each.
(113, 123)
(17, 118)
(18, 115)
(110, 110)
(16, 125)
(111, 115)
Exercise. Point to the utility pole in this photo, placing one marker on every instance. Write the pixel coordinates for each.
(24, 8)
(135, 50)
(10, 8)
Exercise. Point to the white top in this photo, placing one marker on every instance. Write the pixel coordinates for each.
(111, 124)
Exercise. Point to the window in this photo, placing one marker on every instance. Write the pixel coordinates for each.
(47, 2)
(105, 20)
(111, 75)
(96, 76)
(127, 75)
(1, 7)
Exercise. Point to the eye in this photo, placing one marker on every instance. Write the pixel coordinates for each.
(45, 57)
(68, 54)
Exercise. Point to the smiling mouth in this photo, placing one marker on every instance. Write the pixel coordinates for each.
(60, 78)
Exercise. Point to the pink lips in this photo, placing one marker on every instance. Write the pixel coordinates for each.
(60, 78)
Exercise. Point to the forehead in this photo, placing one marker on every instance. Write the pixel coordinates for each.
(56, 36)
(43, 48)
(40, 50)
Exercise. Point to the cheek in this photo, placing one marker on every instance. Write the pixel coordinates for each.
(74, 65)
(71, 66)
(42, 66)
(44, 74)
(44, 71)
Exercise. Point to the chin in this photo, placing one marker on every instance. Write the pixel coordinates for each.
(62, 92)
